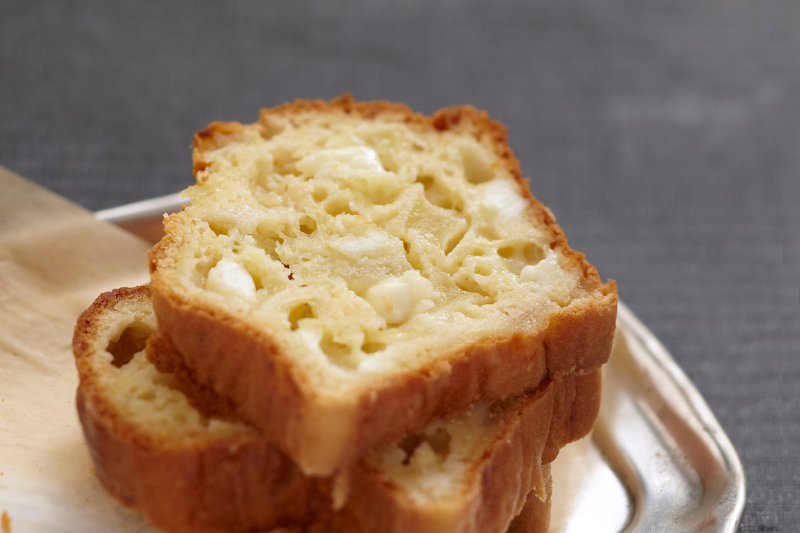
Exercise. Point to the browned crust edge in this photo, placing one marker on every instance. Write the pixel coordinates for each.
(244, 364)
(561, 414)
(535, 515)
(241, 484)
(575, 410)
(510, 468)
(564, 413)
(219, 485)
(273, 394)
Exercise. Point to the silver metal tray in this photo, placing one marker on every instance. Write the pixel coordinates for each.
(657, 460)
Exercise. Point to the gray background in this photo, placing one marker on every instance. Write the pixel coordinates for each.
(665, 136)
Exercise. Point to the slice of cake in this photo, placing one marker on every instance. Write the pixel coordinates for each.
(156, 448)
(347, 272)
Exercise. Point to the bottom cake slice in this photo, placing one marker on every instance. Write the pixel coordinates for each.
(177, 452)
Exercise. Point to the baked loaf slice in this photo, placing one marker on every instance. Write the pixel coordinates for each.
(153, 451)
(347, 272)
(155, 448)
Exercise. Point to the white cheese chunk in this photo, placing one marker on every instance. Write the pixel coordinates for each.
(397, 299)
(230, 278)
(548, 274)
(375, 243)
(501, 198)
(354, 167)
(347, 160)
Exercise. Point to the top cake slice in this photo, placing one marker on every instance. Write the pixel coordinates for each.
(347, 271)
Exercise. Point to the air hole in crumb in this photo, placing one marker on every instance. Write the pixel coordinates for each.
(439, 195)
(506, 252)
(319, 194)
(283, 161)
(470, 285)
(338, 207)
(410, 443)
(454, 241)
(372, 347)
(268, 239)
(288, 231)
(519, 255)
(439, 442)
(489, 232)
(218, 227)
(308, 225)
(406, 245)
(336, 351)
(533, 253)
(483, 270)
(426, 181)
(130, 342)
(300, 312)
(414, 259)
(530, 253)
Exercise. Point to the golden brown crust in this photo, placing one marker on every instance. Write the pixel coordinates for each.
(394, 407)
(376, 505)
(218, 347)
(202, 397)
(509, 470)
(244, 364)
(576, 397)
(244, 483)
(82, 347)
(217, 485)
(575, 409)
(535, 515)
(220, 486)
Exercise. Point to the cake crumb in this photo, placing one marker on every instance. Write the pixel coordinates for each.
(5, 522)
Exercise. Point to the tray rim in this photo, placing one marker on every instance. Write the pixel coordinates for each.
(735, 493)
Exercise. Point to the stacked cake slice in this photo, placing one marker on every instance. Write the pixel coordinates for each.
(363, 321)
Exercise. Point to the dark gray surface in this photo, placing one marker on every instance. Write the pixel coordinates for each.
(664, 135)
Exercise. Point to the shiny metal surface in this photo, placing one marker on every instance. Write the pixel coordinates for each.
(658, 459)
